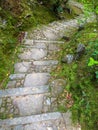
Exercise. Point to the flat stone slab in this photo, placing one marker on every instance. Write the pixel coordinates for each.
(36, 79)
(24, 91)
(46, 63)
(23, 101)
(11, 84)
(53, 47)
(43, 68)
(50, 35)
(16, 76)
(57, 87)
(48, 41)
(32, 43)
(30, 104)
(33, 54)
(49, 121)
(22, 67)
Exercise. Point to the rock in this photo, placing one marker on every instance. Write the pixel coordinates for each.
(16, 76)
(30, 104)
(19, 127)
(22, 67)
(80, 48)
(80, 51)
(47, 101)
(53, 47)
(47, 63)
(36, 79)
(49, 128)
(2, 110)
(68, 58)
(76, 8)
(57, 87)
(33, 54)
(11, 84)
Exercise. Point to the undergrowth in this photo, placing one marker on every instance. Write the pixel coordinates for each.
(81, 91)
(12, 30)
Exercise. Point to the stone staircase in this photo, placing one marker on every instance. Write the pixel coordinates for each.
(28, 101)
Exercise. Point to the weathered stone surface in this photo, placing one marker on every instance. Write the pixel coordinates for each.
(33, 54)
(48, 41)
(19, 127)
(0, 102)
(80, 48)
(28, 105)
(39, 126)
(67, 118)
(22, 67)
(76, 7)
(16, 76)
(53, 47)
(36, 45)
(28, 42)
(40, 45)
(4, 128)
(32, 119)
(80, 51)
(68, 58)
(57, 87)
(50, 35)
(35, 127)
(11, 84)
(47, 63)
(37, 35)
(24, 91)
(43, 68)
(36, 79)
(47, 101)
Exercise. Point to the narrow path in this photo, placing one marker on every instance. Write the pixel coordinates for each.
(27, 103)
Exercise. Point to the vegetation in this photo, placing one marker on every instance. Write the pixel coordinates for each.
(81, 92)
(16, 18)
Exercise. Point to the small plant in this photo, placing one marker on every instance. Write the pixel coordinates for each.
(92, 62)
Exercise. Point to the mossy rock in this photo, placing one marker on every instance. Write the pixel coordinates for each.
(75, 7)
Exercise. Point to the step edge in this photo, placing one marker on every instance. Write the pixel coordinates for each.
(13, 92)
(31, 119)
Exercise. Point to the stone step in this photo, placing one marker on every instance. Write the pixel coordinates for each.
(28, 80)
(56, 31)
(35, 66)
(42, 44)
(47, 121)
(24, 101)
(32, 42)
(52, 32)
(24, 91)
(35, 54)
